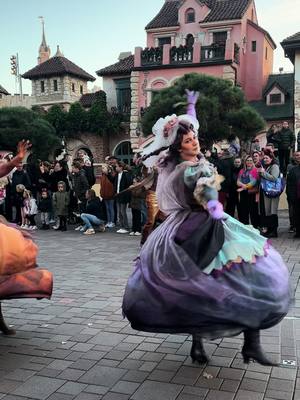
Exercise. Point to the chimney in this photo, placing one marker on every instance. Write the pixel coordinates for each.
(124, 54)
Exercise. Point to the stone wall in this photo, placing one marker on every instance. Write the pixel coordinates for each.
(95, 143)
(15, 101)
(134, 117)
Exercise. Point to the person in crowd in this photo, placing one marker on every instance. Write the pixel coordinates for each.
(293, 192)
(272, 136)
(247, 183)
(80, 185)
(93, 215)
(298, 141)
(224, 166)
(233, 202)
(234, 146)
(19, 177)
(45, 209)
(255, 145)
(18, 204)
(33, 171)
(286, 143)
(122, 181)
(59, 174)
(292, 217)
(87, 166)
(44, 181)
(30, 210)
(61, 200)
(137, 196)
(257, 159)
(268, 207)
(107, 193)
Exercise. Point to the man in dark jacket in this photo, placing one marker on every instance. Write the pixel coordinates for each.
(80, 185)
(286, 142)
(19, 177)
(59, 174)
(122, 181)
(293, 191)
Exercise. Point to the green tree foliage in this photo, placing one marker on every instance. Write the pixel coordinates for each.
(57, 117)
(98, 116)
(77, 120)
(221, 108)
(17, 123)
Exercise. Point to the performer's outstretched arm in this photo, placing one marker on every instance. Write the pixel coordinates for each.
(5, 168)
(192, 98)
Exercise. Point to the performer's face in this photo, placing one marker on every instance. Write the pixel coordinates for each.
(190, 147)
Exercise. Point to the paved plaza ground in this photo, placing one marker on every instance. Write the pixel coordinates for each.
(78, 346)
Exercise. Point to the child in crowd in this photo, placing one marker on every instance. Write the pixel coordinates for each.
(137, 197)
(45, 208)
(61, 200)
(29, 210)
(19, 203)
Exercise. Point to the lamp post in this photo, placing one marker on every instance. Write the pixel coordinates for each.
(15, 70)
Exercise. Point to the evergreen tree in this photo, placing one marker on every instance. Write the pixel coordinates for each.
(77, 120)
(57, 117)
(98, 116)
(221, 108)
(17, 123)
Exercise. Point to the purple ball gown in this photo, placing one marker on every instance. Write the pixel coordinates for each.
(242, 284)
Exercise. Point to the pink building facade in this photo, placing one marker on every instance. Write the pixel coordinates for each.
(213, 37)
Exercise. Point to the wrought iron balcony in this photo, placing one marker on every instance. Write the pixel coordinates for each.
(213, 52)
(152, 56)
(181, 55)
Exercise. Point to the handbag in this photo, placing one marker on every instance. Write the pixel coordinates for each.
(273, 189)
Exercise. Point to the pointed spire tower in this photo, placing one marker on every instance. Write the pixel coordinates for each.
(44, 50)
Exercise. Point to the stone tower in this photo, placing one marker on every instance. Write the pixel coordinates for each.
(44, 50)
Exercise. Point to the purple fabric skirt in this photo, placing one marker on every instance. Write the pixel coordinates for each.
(167, 293)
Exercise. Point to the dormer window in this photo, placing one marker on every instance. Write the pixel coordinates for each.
(275, 98)
(190, 16)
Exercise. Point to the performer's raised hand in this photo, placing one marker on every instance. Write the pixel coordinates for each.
(22, 148)
(192, 96)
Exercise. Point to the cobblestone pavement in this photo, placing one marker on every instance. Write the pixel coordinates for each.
(78, 346)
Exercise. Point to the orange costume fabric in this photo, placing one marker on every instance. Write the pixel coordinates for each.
(19, 276)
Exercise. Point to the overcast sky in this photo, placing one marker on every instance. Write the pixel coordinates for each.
(92, 33)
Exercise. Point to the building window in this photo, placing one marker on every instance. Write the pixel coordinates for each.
(81, 89)
(164, 40)
(190, 16)
(275, 98)
(266, 53)
(42, 86)
(123, 95)
(253, 46)
(55, 86)
(124, 152)
(190, 40)
(73, 87)
(220, 38)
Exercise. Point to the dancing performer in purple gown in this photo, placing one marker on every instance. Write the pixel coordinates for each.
(201, 271)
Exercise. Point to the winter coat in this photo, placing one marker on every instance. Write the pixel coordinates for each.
(45, 204)
(61, 202)
(58, 176)
(271, 173)
(80, 185)
(90, 175)
(224, 166)
(94, 207)
(30, 206)
(107, 190)
(126, 181)
(286, 139)
(20, 178)
(293, 184)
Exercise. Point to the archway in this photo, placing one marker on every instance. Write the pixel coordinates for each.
(123, 152)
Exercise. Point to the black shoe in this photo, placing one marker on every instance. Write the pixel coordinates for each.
(296, 236)
(252, 349)
(47, 227)
(197, 351)
(43, 227)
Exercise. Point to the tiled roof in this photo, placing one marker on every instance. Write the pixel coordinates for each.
(3, 91)
(274, 112)
(122, 67)
(221, 10)
(57, 66)
(293, 38)
(167, 16)
(88, 99)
